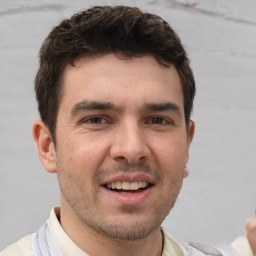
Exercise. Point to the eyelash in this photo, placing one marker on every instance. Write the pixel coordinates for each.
(163, 120)
(93, 118)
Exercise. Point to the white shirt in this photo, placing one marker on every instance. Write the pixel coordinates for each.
(172, 245)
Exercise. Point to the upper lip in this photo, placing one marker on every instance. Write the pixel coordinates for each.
(129, 178)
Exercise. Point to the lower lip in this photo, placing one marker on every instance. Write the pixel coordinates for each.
(129, 199)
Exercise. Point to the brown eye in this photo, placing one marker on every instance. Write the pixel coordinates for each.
(95, 120)
(158, 120)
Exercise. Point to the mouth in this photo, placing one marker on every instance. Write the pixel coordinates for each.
(129, 189)
(126, 187)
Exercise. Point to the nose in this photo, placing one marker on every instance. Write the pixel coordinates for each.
(129, 144)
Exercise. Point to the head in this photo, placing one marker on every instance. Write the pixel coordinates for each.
(115, 94)
(124, 31)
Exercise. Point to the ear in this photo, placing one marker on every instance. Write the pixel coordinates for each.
(190, 135)
(45, 146)
(185, 174)
(191, 132)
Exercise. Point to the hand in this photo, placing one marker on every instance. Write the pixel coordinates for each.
(251, 233)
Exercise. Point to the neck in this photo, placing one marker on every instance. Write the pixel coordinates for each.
(97, 244)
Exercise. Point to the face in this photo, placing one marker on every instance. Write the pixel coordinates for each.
(122, 144)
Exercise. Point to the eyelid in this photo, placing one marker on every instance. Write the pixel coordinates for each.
(166, 120)
(88, 118)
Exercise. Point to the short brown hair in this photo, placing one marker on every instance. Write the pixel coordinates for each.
(122, 30)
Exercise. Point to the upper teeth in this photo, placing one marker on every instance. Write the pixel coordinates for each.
(135, 185)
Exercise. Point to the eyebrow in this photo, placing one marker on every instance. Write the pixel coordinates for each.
(98, 105)
(162, 107)
(92, 105)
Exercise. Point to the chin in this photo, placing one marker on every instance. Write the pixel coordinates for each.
(124, 235)
(127, 228)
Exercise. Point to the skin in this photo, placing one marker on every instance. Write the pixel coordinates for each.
(118, 119)
(251, 233)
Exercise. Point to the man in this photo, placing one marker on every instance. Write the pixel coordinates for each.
(115, 93)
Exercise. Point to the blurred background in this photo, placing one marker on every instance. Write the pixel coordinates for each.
(220, 193)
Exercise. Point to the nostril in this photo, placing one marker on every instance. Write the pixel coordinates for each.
(121, 158)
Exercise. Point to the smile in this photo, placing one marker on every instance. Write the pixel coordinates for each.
(122, 186)
(128, 189)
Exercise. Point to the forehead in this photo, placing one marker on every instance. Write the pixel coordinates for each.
(121, 80)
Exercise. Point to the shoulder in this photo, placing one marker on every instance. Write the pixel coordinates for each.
(23, 247)
(203, 249)
(175, 246)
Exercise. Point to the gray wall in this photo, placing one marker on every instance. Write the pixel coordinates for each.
(220, 193)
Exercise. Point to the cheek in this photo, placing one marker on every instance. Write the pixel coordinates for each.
(170, 153)
(86, 154)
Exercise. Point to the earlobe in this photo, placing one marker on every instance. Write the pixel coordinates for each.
(185, 175)
(45, 146)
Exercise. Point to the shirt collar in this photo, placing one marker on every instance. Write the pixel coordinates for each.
(172, 246)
